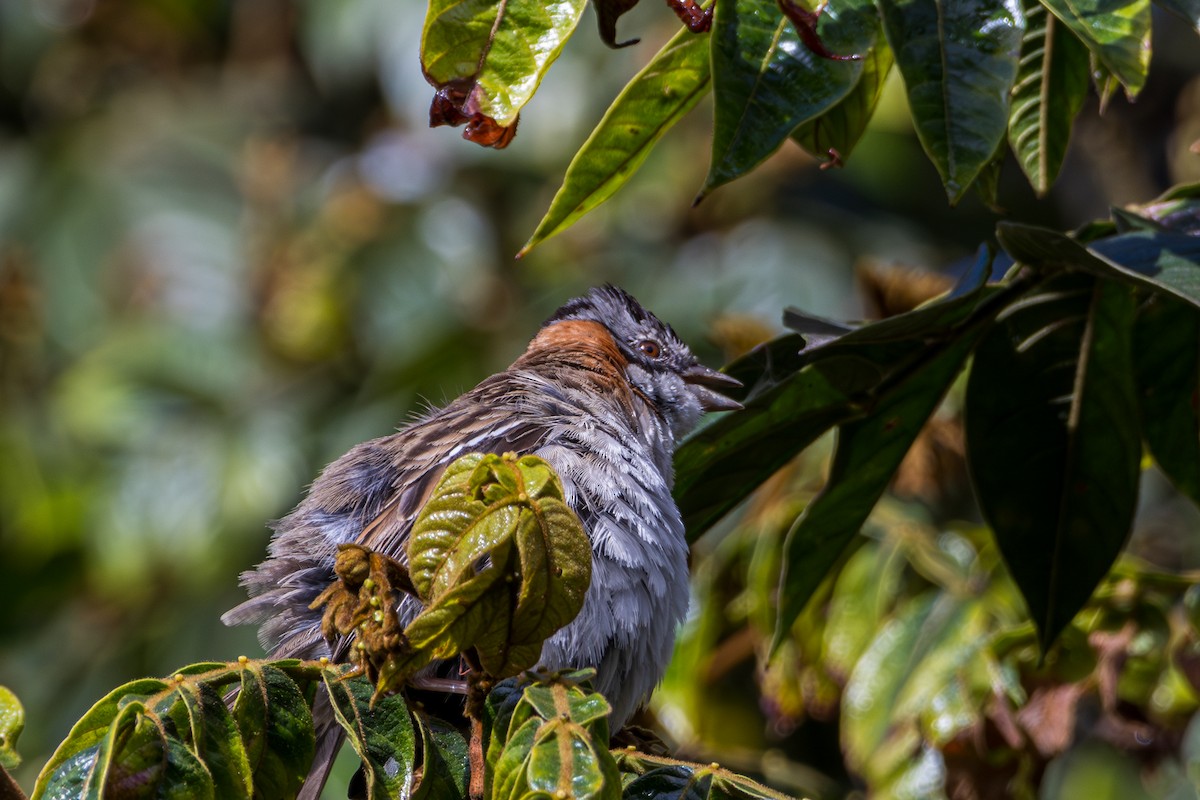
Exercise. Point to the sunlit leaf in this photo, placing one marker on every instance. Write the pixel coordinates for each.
(1117, 32)
(511, 511)
(653, 101)
(839, 129)
(959, 62)
(1163, 262)
(767, 81)
(901, 680)
(502, 49)
(1053, 441)
(1051, 84)
(12, 722)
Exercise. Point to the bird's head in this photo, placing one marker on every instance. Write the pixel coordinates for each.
(657, 363)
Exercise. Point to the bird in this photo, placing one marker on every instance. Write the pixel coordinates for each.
(603, 393)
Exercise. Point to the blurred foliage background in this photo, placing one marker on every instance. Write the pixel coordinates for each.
(230, 248)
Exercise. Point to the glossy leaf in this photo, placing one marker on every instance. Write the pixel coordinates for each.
(767, 81)
(1117, 32)
(216, 741)
(445, 762)
(382, 734)
(653, 101)
(1167, 360)
(1052, 81)
(959, 62)
(1163, 262)
(839, 129)
(276, 727)
(503, 49)
(1053, 441)
(12, 722)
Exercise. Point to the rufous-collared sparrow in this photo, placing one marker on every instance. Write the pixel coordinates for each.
(603, 393)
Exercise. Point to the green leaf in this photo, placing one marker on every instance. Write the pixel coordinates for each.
(503, 49)
(556, 744)
(840, 128)
(539, 566)
(793, 397)
(216, 741)
(869, 451)
(1167, 360)
(1163, 262)
(382, 734)
(1051, 84)
(653, 101)
(12, 722)
(1053, 441)
(87, 734)
(140, 757)
(445, 766)
(1117, 32)
(767, 82)
(276, 727)
(959, 62)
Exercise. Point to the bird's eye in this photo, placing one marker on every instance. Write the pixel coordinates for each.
(649, 348)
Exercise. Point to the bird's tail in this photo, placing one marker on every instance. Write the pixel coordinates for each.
(329, 741)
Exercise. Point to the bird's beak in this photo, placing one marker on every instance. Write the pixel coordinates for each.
(702, 381)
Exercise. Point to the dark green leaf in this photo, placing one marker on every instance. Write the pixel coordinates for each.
(502, 49)
(216, 741)
(653, 101)
(1053, 440)
(1187, 9)
(382, 735)
(959, 62)
(276, 726)
(445, 767)
(140, 758)
(839, 129)
(1163, 262)
(1051, 84)
(12, 722)
(792, 398)
(1117, 32)
(676, 782)
(869, 450)
(89, 732)
(767, 82)
(1167, 359)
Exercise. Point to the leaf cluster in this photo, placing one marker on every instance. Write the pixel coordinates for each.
(982, 77)
(1084, 352)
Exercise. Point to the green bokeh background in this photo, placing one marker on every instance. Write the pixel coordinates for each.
(230, 248)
